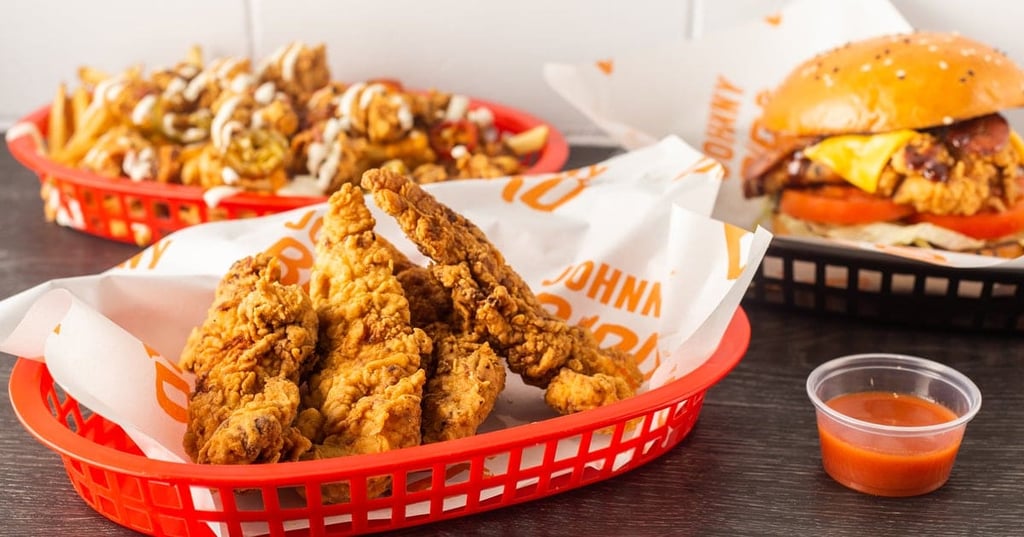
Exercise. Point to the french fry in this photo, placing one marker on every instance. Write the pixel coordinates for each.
(97, 120)
(194, 56)
(79, 104)
(527, 142)
(134, 72)
(90, 76)
(414, 148)
(190, 152)
(57, 128)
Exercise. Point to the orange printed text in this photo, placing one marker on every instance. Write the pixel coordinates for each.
(720, 131)
(552, 192)
(612, 287)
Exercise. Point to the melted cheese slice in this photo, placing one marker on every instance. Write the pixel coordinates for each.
(858, 158)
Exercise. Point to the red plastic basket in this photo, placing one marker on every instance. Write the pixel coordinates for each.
(118, 208)
(155, 497)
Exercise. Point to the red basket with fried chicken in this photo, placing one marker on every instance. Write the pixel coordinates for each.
(354, 404)
(132, 157)
(154, 497)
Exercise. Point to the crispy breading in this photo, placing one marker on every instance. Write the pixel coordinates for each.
(963, 184)
(248, 355)
(593, 377)
(462, 387)
(491, 302)
(365, 394)
(487, 294)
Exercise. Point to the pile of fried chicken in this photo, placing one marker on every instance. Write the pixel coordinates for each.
(380, 353)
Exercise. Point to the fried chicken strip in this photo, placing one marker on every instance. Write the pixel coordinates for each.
(494, 304)
(365, 393)
(462, 387)
(464, 376)
(593, 377)
(248, 355)
(491, 299)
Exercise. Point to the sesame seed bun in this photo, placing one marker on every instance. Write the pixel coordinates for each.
(907, 81)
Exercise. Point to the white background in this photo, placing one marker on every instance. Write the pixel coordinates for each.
(484, 48)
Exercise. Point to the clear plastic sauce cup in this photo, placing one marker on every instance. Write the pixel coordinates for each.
(890, 424)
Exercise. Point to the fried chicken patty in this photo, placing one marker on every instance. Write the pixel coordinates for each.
(961, 169)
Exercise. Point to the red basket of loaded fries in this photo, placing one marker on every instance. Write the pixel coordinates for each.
(134, 156)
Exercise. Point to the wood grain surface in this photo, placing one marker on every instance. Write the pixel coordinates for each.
(750, 467)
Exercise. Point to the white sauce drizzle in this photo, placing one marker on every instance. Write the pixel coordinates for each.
(459, 151)
(140, 165)
(318, 155)
(301, 185)
(405, 117)
(175, 86)
(213, 196)
(92, 155)
(168, 124)
(315, 155)
(25, 128)
(275, 57)
(367, 96)
(193, 134)
(457, 107)
(241, 82)
(289, 60)
(229, 175)
(196, 86)
(329, 168)
(265, 93)
(188, 70)
(347, 98)
(482, 116)
(105, 91)
(226, 66)
(332, 128)
(142, 110)
(219, 132)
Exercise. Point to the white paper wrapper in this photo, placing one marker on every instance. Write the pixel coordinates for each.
(706, 91)
(627, 243)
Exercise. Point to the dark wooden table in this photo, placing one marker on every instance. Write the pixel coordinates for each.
(750, 467)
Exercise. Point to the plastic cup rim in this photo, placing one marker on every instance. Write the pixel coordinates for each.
(908, 362)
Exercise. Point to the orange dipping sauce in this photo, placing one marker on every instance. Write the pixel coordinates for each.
(888, 464)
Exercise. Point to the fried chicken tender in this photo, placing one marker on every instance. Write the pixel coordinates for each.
(464, 376)
(429, 301)
(463, 386)
(593, 377)
(488, 296)
(492, 303)
(364, 395)
(248, 356)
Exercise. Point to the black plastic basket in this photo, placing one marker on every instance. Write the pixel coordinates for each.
(856, 283)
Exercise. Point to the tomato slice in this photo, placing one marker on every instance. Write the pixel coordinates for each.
(446, 135)
(986, 225)
(840, 205)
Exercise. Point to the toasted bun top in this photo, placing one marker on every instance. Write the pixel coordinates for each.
(904, 81)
